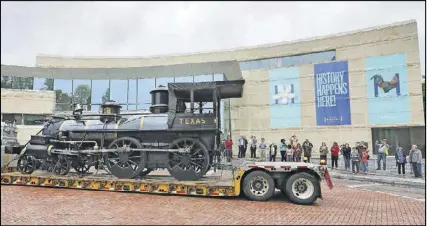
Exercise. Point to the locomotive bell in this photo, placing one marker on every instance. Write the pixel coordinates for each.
(159, 100)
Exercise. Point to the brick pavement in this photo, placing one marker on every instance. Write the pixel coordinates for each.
(342, 205)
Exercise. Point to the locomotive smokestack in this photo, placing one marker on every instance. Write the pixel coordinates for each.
(159, 100)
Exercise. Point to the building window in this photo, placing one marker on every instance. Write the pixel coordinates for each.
(64, 90)
(219, 77)
(132, 91)
(288, 61)
(203, 78)
(131, 107)
(164, 81)
(34, 119)
(43, 84)
(100, 93)
(17, 118)
(144, 87)
(119, 91)
(184, 79)
(22, 83)
(6, 82)
(82, 93)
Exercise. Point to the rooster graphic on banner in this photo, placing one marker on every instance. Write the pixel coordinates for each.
(387, 86)
(284, 94)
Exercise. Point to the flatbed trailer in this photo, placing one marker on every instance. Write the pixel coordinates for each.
(300, 182)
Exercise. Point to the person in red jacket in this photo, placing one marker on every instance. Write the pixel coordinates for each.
(335, 152)
(228, 148)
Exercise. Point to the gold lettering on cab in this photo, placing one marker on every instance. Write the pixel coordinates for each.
(191, 121)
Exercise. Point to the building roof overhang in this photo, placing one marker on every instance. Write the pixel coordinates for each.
(230, 69)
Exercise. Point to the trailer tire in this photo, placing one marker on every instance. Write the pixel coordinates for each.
(258, 186)
(302, 188)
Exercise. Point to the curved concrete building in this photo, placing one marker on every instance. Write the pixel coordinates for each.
(356, 86)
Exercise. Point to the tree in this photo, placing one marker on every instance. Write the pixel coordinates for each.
(22, 82)
(63, 101)
(48, 84)
(6, 82)
(82, 95)
(106, 96)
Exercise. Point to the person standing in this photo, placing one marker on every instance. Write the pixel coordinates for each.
(228, 148)
(323, 150)
(416, 158)
(241, 144)
(335, 152)
(272, 152)
(400, 161)
(308, 147)
(283, 148)
(253, 146)
(382, 153)
(245, 147)
(289, 153)
(365, 160)
(262, 148)
(346, 153)
(355, 158)
(297, 153)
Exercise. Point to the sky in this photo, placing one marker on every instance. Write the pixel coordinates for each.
(121, 29)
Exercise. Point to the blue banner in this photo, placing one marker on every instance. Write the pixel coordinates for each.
(332, 93)
(285, 102)
(387, 90)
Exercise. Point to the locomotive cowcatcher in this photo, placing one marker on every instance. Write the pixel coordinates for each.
(180, 134)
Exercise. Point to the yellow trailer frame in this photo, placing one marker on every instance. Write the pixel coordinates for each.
(192, 188)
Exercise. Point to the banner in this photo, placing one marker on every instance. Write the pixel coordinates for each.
(285, 102)
(387, 90)
(332, 93)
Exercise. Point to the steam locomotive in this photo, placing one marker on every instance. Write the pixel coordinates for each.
(175, 135)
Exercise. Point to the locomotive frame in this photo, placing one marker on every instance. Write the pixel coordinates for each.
(185, 141)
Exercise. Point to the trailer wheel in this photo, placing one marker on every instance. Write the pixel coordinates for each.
(258, 186)
(302, 188)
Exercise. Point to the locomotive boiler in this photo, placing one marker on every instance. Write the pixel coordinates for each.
(176, 135)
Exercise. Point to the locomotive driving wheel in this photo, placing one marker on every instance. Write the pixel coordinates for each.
(62, 166)
(125, 163)
(26, 164)
(190, 164)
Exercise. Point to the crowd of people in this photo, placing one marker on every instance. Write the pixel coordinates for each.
(356, 158)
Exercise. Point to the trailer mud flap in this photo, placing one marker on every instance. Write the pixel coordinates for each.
(328, 179)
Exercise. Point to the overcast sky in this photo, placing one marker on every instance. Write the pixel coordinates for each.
(154, 28)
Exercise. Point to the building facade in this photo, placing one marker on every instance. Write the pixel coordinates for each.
(357, 86)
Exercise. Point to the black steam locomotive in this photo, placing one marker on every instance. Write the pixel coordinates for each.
(175, 135)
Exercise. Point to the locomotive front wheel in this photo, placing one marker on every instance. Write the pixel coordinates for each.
(124, 163)
(62, 166)
(190, 165)
(26, 164)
